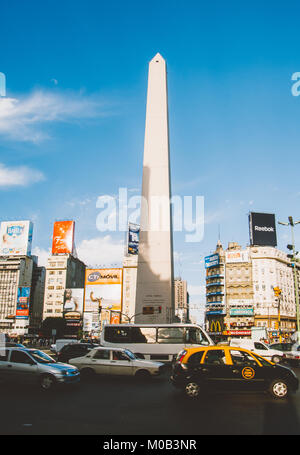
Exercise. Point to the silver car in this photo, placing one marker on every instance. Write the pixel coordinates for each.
(23, 365)
(116, 361)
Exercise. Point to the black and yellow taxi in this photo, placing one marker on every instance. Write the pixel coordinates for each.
(227, 368)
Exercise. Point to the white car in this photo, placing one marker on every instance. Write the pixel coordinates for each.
(260, 348)
(116, 361)
(290, 351)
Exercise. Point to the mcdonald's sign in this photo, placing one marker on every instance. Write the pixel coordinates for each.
(215, 326)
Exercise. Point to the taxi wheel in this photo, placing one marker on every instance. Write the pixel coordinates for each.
(192, 390)
(279, 389)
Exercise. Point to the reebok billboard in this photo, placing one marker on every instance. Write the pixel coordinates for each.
(262, 229)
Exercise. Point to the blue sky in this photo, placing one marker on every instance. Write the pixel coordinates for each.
(72, 123)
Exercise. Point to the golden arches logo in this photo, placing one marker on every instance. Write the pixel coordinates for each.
(248, 373)
(215, 326)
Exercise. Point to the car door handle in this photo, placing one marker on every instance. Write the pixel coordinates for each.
(113, 361)
(9, 366)
(205, 370)
(235, 371)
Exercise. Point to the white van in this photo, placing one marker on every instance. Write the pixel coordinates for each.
(258, 347)
(55, 348)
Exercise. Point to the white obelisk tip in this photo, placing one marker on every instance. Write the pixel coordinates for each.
(157, 58)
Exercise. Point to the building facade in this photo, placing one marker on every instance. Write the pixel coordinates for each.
(62, 272)
(240, 292)
(129, 286)
(181, 300)
(15, 277)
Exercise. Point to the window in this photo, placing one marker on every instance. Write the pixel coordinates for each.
(143, 335)
(260, 346)
(119, 355)
(195, 359)
(195, 336)
(3, 355)
(102, 354)
(117, 334)
(242, 358)
(170, 335)
(215, 357)
(20, 357)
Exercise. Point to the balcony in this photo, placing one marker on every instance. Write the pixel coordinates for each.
(210, 294)
(215, 284)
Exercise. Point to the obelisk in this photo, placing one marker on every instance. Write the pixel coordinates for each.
(154, 290)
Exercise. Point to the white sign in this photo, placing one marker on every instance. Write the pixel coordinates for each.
(240, 302)
(237, 256)
(15, 238)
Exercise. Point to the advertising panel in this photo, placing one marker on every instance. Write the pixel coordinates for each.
(16, 238)
(133, 238)
(262, 229)
(23, 301)
(63, 237)
(240, 302)
(237, 256)
(211, 261)
(241, 312)
(103, 288)
(73, 304)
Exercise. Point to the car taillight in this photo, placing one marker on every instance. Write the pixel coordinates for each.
(180, 357)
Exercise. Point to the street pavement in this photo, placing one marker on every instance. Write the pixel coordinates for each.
(124, 406)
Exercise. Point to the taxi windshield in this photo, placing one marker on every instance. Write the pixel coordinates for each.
(262, 360)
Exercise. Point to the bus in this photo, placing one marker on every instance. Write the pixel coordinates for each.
(159, 342)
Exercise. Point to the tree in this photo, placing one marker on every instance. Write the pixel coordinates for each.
(51, 323)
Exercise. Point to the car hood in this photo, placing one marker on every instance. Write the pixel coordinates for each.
(61, 366)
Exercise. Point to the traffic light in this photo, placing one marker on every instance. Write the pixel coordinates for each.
(277, 291)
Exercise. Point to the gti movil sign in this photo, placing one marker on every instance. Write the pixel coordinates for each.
(262, 229)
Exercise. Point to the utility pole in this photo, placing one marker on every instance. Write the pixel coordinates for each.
(277, 292)
(291, 247)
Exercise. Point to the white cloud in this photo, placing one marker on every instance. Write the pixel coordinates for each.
(42, 255)
(101, 251)
(19, 176)
(23, 119)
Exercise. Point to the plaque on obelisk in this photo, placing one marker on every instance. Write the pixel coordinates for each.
(154, 291)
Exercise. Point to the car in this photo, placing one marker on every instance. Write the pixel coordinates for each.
(199, 370)
(59, 344)
(293, 356)
(73, 350)
(291, 352)
(258, 347)
(25, 366)
(116, 361)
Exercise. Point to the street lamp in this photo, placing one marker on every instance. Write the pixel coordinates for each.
(291, 247)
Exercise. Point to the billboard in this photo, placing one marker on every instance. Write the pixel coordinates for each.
(73, 303)
(63, 237)
(133, 238)
(237, 256)
(23, 301)
(211, 261)
(16, 238)
(103, 288)
(262, 229)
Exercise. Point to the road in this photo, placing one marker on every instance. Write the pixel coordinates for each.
(123, 406)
